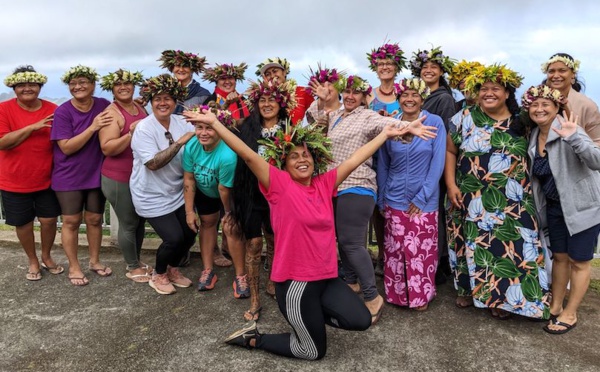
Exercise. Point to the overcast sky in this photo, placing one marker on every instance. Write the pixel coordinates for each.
(109, 34)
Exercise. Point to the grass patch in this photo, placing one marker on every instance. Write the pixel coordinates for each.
(595, 286)
(596, 262)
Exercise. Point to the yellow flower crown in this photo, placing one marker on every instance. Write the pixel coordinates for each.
(108, 81)
(25, 77)
(460, 71)
(416, 84)
(495, 73)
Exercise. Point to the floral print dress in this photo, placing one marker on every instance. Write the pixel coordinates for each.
(495, 252)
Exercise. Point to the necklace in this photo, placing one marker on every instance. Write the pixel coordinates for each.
(386, 93)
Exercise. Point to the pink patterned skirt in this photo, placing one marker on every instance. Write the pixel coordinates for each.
(410, 257)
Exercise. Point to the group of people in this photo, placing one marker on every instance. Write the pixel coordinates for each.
(493, 189)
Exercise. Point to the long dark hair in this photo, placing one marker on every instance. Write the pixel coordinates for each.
(246, 195)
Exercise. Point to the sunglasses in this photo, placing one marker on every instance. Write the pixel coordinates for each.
(169, 136)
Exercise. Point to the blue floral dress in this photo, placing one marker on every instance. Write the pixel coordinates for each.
(495, 252)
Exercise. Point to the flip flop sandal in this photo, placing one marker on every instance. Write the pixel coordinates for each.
(567, 328)
(54, 270)
(139, 278)
(33, 277)
(78, 281)
(252, 315)
(103, 271)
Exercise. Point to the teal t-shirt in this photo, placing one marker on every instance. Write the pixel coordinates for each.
(210, 168)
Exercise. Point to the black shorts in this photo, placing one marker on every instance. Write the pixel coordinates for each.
(206, 205)
(258, 220)
(73, 202)
(22, 208)
(580, 246)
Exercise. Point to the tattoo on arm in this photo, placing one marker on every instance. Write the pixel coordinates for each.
(163, 157)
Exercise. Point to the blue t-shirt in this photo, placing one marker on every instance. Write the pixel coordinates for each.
(210, 168)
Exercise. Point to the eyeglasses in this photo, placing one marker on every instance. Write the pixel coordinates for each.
(385, 64)
(83, 83)
(169, 136)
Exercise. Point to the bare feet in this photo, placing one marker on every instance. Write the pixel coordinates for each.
(464, 301)
(421, 308)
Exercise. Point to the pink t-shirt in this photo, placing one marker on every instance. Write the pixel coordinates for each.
(302, 220)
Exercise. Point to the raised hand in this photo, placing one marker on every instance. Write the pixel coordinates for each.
(205, 117)
(422, 131)
(567, 127)
(320, 90)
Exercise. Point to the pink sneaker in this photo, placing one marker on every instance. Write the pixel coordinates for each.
(177, 279)
(161, 284)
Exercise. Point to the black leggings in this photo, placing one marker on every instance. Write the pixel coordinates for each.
(177, 238)
(308, 306)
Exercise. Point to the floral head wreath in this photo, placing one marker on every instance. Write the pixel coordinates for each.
(25, 77)
(213, 74)
(416, 84)
(542, 91)
(356, 83)
(224, 116)
(172, 58)
(80, 71)
(283, 93)
(460, 71)
(420, 57)
(273, 62)
(496, 74)
(124, 76)
(571, 63)
(289, 136)
(324, 75)
(163, 84)
(387, 51)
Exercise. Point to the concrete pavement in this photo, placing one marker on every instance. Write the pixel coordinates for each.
(114, 324)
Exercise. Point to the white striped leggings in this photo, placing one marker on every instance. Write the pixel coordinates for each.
(308, 306)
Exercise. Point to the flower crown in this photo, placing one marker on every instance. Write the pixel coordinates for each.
(356, 83)
(280, 61)
(420, 57)
(416, 84)
(290, 136)
(541, 91)
(172, 58)
(495, 73)
(571, 63)
(213, 74)
(284, 93)
(460, 71)
(164, 83)
(324, 75)
(80, 71)
(224, 116)
(387, 51)
(25, 77)
(108, 81)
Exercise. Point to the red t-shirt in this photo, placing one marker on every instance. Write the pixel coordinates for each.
(26, 167)
(302, 220)
(303, 100)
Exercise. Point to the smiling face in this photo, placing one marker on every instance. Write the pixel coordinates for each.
(431, 73)
(226, 84)
(352, 99)
(543, 111)
(300, 165)
(274, 73)
(183, 74)
(207, 136)
(559, 76)
(386, 69)
(492, 96)
(27, 93)
(268, 107)
(163, 105)
(123, 92)
(81, 88)
(410, 102)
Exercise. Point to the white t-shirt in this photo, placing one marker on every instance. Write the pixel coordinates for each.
(160, 192)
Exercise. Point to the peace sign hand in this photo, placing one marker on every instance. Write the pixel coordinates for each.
(567, 127)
